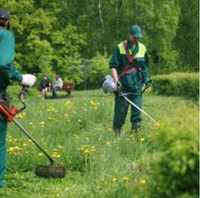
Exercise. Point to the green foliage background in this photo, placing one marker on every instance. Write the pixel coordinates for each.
(58, 36)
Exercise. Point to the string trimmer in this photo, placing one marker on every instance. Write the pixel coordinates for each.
(109, 86)
(9, 112)
(124, 95)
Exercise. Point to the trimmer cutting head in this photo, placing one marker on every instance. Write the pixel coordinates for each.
(50, 171)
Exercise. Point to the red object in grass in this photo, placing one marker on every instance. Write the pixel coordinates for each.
(8, 112)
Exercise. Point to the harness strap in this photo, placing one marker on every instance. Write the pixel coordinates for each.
(129, 68)
(129, 56)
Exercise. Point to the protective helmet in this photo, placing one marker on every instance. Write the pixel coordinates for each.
(109, 86)
(4, 14)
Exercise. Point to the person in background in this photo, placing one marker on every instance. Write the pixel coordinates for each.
(44, 86)
(57, 85)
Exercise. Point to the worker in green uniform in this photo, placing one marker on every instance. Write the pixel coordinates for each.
(8, 72)
(129, 64)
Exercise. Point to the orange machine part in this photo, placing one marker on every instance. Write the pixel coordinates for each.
(8, 112)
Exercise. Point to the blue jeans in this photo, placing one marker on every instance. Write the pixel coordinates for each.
(3, 129)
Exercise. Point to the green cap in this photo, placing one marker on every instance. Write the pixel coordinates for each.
(136, 31)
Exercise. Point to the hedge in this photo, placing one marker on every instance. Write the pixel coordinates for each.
(177, 84)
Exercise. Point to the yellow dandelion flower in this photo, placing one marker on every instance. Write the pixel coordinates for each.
(42, 123)
(58, 155)
(55, 154)
(21, 115)
(10, 149)
(125, 179)
(15, 150)
(141, 139)
(114, 179)
(51, 109)
(86, 151)
(10, 140)
(142, 181)
(29, 141)
(93, 104)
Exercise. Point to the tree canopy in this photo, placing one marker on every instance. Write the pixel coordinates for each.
(56, 36)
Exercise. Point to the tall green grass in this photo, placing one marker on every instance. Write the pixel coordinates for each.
(77, 132)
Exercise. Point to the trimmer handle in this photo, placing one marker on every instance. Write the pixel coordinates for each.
(21, 96)
(11, 111)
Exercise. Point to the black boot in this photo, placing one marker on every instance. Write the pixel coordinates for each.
(117, 131)
(136, 127)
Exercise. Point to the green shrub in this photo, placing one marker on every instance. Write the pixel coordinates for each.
(175, 172)
(94, 70)
(178, 84)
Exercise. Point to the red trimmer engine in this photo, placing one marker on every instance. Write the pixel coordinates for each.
(8, 112)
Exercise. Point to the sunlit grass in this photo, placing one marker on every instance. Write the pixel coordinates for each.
(77, 132)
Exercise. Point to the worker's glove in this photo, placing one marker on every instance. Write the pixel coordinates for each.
(28, 80)
(146, 87)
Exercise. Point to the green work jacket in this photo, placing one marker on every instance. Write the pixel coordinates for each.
(135, 80)
(7, 53)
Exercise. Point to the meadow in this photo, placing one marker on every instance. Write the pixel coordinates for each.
(77, 132)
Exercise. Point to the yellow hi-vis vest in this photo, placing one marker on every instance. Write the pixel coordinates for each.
(141, 51)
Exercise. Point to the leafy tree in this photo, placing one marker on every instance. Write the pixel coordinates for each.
(187, 36)
(55, 36)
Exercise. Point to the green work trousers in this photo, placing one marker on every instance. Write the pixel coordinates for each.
(121, 109)
(3, 129)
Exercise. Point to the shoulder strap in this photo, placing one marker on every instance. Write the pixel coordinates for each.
(129, 56)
